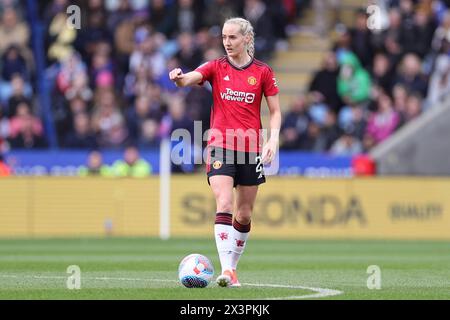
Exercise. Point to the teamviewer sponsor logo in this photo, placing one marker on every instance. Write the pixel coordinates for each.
(238, 96)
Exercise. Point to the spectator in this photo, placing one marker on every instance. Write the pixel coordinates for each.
(95, 166)
(163, 81)
(382, 72)
(17, 86)
(323, 87)
(146, 55)
(210, 42)
(119, 13)
(137, 83)
(382, 123)
(321, 8)
(423, 33)
(108, 122)
(400, 95)
(27, 138)
(13, 63)
(137, 115)
(177, 118)
(20, 93)
(188, 55)
(13, 31)
(343, 42)
(186, 16)
(53, 8)
(217, 11)
(198, 105)
(132, 165)
(82, 136)
(347, 145)
(410, 74)
(353, 119)
(71, 67)
(313, 140)
(442, 33)
(278, 10)
(354, 81)
(149, 137)
(79, 88)
(102, 69)
(361, 43)
(16, 4)
(65, 113)
(295, 124)
(330, 131)
(124, 35)
(23, 118)
(413, 107)
(161, 16)
(256, 12)
(392, 37)
(91, 35)
(407, 35)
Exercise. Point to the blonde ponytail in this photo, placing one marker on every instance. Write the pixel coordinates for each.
(246, 28)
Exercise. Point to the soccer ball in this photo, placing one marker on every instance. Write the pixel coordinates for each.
(195, 271)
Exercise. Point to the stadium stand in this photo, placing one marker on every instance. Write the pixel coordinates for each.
(382, 77)
(105, 85)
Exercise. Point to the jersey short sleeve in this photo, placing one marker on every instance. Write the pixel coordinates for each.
(270, 87)
(207, 71)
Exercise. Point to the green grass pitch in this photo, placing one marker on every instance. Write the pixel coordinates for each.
(143, 268)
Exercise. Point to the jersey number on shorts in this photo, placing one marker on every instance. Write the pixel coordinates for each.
(259, 167)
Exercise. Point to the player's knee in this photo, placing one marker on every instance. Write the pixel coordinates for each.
(243, 214)
(243, 219)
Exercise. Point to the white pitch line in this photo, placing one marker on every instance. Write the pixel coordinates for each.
(320, 292)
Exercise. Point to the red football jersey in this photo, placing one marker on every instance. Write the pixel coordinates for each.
(237, 94)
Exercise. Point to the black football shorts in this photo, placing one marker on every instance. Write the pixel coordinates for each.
(245, 168)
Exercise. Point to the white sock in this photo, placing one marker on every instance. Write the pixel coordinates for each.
(223, 233)
(239, 242)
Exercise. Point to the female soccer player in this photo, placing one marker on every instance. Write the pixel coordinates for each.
(239, 81)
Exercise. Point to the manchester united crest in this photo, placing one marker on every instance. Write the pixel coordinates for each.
(251, 80)
(217, 164)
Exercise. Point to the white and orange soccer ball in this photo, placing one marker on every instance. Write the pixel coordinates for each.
(195, 271)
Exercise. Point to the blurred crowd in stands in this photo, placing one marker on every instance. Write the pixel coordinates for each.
(109, 79)
(109, 82)
(373, 82)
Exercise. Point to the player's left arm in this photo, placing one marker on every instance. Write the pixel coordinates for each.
(270, 148)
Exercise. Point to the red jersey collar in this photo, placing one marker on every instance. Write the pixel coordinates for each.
(240, 68)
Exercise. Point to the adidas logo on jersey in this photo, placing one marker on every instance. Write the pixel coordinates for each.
(226, 78)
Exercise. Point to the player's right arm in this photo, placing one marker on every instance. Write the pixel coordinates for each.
(185, 79)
